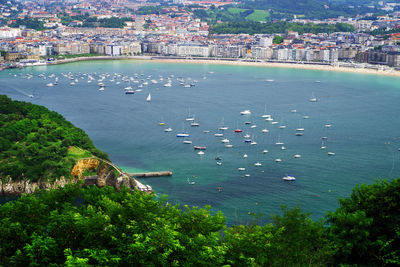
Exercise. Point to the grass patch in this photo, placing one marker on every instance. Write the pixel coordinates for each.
(258, 15)
(89, 173)
(78, 153)
(234, 10)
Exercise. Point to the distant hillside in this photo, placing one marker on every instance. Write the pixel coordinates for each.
(311, 8)
(36, 143)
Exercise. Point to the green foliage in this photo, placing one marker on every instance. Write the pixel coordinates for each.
(252, 27)
(34, 142)
(277, 39)
(30, 23)
(146, 10)
(366, 226)
(75, 226)
(292, 240)
(314, 9)
(258, 15)
(108, 229)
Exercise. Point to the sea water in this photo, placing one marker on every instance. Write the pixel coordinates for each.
(362, 110)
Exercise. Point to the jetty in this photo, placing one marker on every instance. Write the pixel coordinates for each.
(150, 174)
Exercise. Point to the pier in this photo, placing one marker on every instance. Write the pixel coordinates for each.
(150, 174)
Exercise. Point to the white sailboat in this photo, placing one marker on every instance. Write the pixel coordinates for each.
(183, 134)
(265, 115)
(148, 99)
(313, 98)
(189, 117)
(223, 127)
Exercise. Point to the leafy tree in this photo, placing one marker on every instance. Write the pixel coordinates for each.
(366, 226)
(277, 39)
(108, 228)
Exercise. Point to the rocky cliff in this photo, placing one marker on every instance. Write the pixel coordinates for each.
(105, 176)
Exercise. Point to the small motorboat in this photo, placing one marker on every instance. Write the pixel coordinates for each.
(245, 112)
(168, 130)
(297, 156)
(289, 178)
(187, 142)
(182, 135)
(200, 153)
(241, 169)
(219, 163)
(238, 131)
(257, 164)
(199, 148)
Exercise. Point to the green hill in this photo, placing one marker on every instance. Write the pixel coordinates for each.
(36, 143)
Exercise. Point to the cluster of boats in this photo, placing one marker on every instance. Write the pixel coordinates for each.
(223, 133)
(133, 83)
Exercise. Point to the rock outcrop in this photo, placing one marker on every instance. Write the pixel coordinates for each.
(106, 176)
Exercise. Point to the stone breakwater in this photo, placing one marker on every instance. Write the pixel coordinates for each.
(105, 176)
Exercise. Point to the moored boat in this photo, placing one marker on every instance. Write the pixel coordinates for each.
(289, 178)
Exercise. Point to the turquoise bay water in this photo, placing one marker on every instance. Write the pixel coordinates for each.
(362, 109)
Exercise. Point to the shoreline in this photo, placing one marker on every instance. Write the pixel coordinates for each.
(375, 70)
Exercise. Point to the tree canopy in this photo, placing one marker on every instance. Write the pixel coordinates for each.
(102, 227)
(99, 226)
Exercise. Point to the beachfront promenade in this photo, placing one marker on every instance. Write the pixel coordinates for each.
(337, 66)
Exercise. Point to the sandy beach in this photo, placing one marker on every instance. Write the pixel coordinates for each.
(287, 65)
(307, 66)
